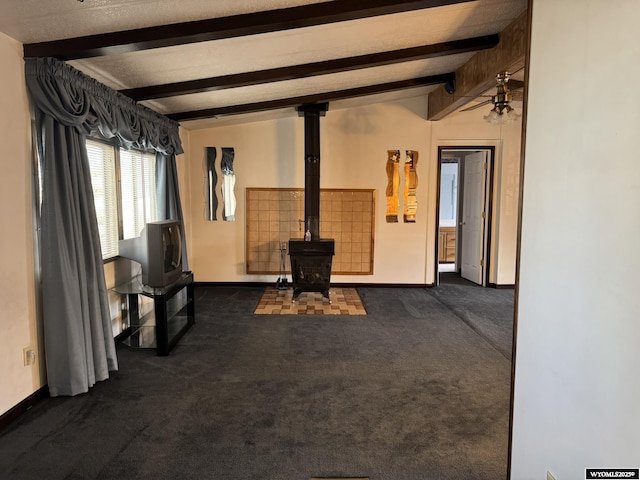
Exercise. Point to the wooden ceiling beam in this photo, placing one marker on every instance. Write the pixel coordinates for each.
(314, 98)
(224, 27)
(479, 74)
(311, 69)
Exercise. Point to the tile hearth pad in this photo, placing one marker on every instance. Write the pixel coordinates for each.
(344, 301)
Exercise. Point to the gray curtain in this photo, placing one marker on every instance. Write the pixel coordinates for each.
(168, 197)
(78, 339)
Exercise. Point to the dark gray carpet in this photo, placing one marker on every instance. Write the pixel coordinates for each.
(489, 312)
(412, 391)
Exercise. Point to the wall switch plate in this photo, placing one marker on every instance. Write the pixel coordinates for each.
(28, 356)
(549, 476)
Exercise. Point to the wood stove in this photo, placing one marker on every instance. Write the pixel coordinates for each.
(311, 265)
(311, 259)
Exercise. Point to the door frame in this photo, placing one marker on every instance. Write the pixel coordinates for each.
(488, 258)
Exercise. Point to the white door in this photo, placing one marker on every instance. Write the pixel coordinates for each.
(472, 229)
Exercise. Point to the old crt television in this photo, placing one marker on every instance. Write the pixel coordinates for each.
(158, 250)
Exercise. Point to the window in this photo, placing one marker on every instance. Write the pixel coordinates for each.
(138, 184)
(122, 209)
(102, 164)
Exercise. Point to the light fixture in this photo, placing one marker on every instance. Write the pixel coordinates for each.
(502, 112)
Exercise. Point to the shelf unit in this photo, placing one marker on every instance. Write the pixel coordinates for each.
(162, 326)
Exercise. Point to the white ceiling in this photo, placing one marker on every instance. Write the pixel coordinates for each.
(31, 21)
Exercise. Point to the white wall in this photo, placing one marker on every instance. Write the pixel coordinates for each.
(17, 294)
(577, 386)
(354, 144)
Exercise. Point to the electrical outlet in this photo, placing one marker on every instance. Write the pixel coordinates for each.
(549, 476)
(29, 356)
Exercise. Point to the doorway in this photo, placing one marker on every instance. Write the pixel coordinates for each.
(463, 223)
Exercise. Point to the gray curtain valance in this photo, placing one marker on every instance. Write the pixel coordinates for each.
(79, 101)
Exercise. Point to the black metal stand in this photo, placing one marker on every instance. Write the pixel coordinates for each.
(173, 313)
(283, 283)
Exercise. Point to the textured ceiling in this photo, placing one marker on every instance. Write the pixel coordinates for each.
(31, 21)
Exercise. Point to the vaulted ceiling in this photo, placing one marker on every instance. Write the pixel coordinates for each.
(204, 62)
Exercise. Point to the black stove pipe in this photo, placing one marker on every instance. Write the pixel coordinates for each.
(312, 114)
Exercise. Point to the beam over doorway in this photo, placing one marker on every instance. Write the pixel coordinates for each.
(479, 74)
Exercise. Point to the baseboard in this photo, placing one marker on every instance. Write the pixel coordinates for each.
(336, 284)
(504, 286)
(233, 284)
(11, 415)
(384, 285)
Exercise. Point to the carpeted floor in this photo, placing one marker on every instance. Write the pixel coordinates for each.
(342, 301)
(417, 389)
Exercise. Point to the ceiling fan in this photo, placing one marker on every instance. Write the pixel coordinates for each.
(502, 111)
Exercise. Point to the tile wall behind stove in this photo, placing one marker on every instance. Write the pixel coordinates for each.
(274, 215)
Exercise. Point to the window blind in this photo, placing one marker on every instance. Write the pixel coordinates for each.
(102, 165)
(138, 185)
